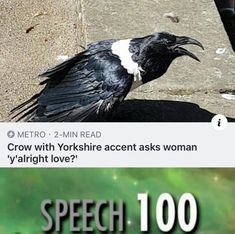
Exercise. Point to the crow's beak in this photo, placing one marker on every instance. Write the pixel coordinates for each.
(181, 41)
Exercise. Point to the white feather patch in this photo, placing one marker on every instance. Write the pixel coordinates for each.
(121, 49)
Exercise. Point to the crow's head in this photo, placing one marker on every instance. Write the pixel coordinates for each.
(157, 51)
(166, 44)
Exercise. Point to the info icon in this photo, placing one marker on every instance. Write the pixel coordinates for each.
(219, 122)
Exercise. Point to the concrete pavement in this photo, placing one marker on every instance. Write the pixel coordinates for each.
(57, 32)
(61, 27)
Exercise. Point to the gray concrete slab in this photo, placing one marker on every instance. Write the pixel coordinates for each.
(57, 32)
(186, 79)
(62, 26)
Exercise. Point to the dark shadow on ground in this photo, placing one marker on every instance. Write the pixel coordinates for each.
(161, 111)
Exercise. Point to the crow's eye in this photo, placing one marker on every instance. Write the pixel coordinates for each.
(167, 38)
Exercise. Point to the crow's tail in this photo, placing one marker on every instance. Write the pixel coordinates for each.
(27, 108)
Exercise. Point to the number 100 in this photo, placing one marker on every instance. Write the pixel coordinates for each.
(167, 200)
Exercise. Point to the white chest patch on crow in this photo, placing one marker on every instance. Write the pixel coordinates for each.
(121, 49)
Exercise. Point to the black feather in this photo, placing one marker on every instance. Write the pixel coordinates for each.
(80, 89)
(25, 103)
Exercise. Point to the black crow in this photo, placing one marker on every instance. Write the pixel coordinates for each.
(89, 86)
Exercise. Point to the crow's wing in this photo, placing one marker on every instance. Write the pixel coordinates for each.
(84, 88)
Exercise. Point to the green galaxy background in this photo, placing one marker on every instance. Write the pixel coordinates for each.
(22, 191)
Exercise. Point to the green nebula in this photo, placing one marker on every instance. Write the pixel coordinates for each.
(23, 190)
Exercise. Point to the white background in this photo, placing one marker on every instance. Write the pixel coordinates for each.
(215, 148)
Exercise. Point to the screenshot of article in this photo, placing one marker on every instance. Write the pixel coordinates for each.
(117, 116)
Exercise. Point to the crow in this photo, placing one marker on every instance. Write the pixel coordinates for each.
(90, 85)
